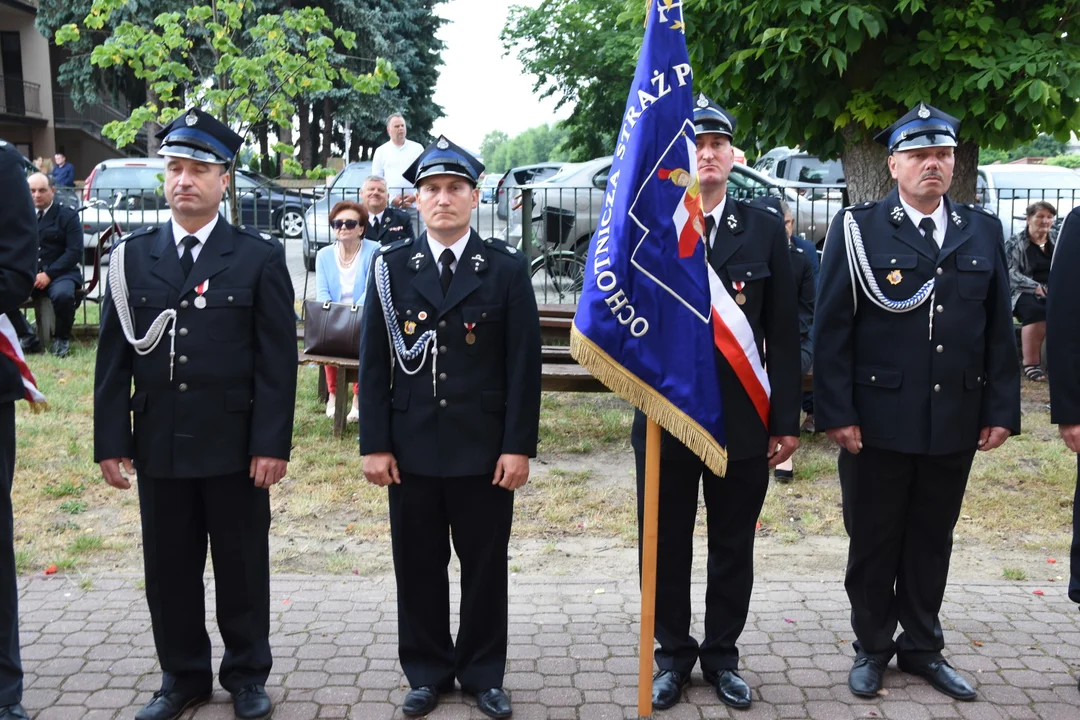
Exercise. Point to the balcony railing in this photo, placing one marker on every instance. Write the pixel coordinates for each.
(18, 97)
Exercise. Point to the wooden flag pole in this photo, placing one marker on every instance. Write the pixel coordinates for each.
(648, 567)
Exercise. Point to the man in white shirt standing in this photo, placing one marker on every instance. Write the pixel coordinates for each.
(390, 161)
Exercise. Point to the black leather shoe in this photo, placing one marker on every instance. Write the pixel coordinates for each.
(169, 705)
(783, 476)
(59, 347)
(944, 678)
(31, 345)
(494, 703)
(730, 688)
(13, 712)
(420, 701)
(667, 687)
(865, 676)
(252, 703)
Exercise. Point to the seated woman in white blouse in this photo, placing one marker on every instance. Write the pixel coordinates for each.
(341, 273)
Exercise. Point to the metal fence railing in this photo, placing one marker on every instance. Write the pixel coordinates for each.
(18, 97)
(551, 225)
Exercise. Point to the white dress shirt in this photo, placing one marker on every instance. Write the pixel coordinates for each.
(179, 233)
(938, 216)
(390, 161)
(458, 248)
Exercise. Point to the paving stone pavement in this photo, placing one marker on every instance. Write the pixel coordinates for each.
(89, 654)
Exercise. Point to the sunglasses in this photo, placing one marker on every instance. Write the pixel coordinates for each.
(350, 224)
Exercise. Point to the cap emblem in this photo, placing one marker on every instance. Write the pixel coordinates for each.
(191, 119)
(702, 101)
(924, 112)
(442, 144)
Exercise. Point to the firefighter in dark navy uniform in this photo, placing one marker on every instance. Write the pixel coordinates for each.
(748, 249)
(915, 368)
(199, 314)
(449, 416)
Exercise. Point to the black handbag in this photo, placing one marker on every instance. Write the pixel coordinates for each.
(332, 329)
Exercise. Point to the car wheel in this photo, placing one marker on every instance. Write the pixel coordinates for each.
(291, 222)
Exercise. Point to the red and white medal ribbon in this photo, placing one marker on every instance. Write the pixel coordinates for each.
(738, 285)
(470, 338)
(200, 289)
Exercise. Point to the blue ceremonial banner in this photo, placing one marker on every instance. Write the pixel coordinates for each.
(644, 320)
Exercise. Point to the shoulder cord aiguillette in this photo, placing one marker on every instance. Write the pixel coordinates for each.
(398, 351)
(119, 291)
(863, 276)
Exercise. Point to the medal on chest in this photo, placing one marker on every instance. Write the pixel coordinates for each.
(739, 297)
(200, 289)
(470, 336)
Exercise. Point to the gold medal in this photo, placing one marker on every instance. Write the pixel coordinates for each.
(410, 327)
(895, 277)
(740, 298)
(469, 338)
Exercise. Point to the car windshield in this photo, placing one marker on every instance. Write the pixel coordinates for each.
(565, 171)
(1035, 185)
(352, 177)
(125, 177)
(808, 169)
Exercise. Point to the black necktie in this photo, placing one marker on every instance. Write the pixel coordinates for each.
(710, 225)
(927, 226)
(40, 215)
(187, 260)
(447, 259)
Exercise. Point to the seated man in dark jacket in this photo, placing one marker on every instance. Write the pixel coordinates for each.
(60, 247)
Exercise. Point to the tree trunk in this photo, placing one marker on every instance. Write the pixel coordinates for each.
(866, 171)
(965, 171)
(264, 148)
(152, 143)
(315, 135)
(305, 134)
(285, 135)
(328, 132)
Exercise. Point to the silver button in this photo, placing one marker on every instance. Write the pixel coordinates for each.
(183, 359)
(939, 271)
(442, 349)
(230, 298)
(442, 377)
(183, 303)
(442, 323)
(979, 378)
(937, 388)
(940, 308)
(408, 312)
(974, 262)
(940, 348)
(749, 273)
(873, 378)
(183, 387)
(442, 403)
(483, 316)
(142, 300)
(893, 261)
(183, 332)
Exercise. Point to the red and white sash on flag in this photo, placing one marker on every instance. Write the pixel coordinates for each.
(734, 339)
(9, 346)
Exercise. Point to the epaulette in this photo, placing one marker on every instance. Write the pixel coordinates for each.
(497, 244)
(985, 210)
(861, 206)
(255, 233)
(758, 205)
(3, 144)
(138, 233)
(396, 245)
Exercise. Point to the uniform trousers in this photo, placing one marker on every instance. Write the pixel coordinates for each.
(11, 674)
(732, 506)
(424, 513)
(1074, 555)
(178, 515)
(900, 511)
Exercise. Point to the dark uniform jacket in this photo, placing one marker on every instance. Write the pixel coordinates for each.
(485, 400)
(881, 370)
(18, 254)
(1063, 325)
(60, 244)
(234, 378)
(395, 225)
(803, 269)
(751, 246)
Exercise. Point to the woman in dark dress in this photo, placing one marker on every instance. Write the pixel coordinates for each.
(1029, 253)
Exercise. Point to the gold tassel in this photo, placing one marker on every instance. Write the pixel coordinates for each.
(631, 388)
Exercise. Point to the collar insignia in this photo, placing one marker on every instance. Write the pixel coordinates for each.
(957, 219)
(732, 222)
(416, 261)
(897, 214)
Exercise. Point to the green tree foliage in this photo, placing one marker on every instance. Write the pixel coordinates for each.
(1069, 161)
(581, 52)
(239, 65)
(828, 74)
(536, 145)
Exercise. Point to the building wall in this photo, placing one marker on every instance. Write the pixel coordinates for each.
(36, 138)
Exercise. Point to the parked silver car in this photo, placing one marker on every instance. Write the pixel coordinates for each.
(1009, 189)
(316, 232)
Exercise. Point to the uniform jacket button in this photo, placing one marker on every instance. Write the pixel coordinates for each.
(939, 271)
(230, 298)
(183, 387)
(442, 349)
(873, 378)
(937, 388)
(143, 300)
(183, 332)
(183, 303)
(940, 308)
(483, 315)
(408, 312)
(893, 261)
(442, 403)
(183, 359)
(940, 348)
(749, 273)
(442, 323)
(442, 377)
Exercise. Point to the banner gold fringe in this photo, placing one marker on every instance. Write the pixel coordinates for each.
(631, 388)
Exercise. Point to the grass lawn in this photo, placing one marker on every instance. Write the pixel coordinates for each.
(325, 515)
